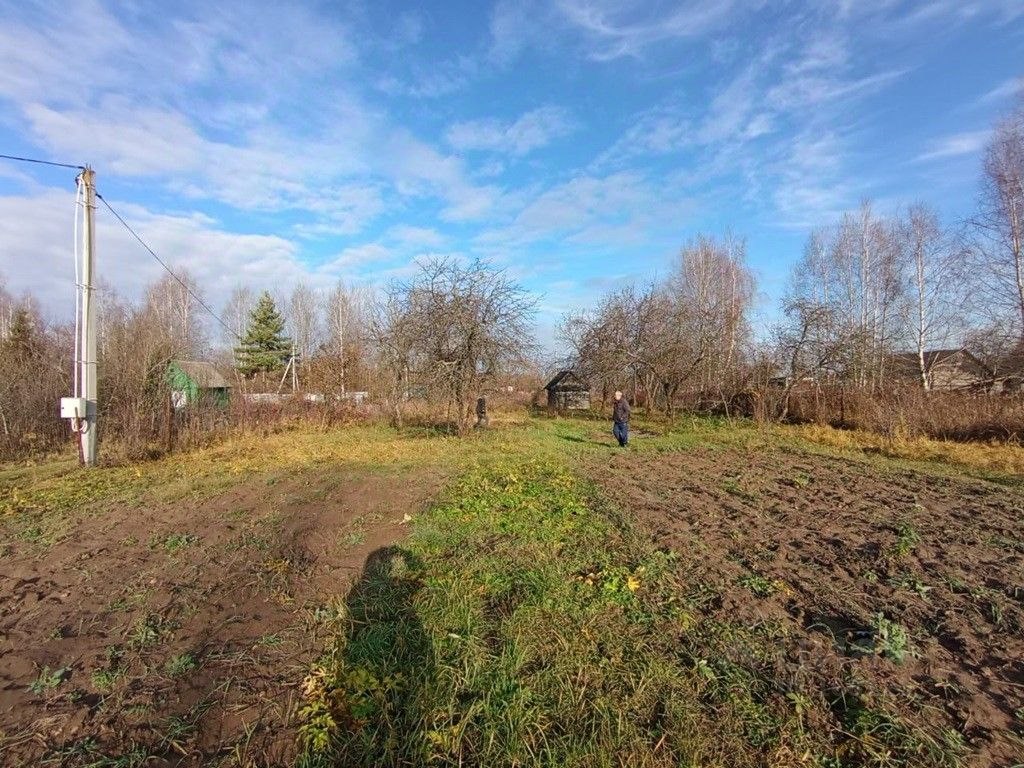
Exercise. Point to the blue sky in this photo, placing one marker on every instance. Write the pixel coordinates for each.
(577, 143)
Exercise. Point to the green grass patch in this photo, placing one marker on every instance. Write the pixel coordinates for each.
(523, 625)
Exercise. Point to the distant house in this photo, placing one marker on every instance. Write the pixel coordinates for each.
(568, 392)
(946, 369)
(196, 381)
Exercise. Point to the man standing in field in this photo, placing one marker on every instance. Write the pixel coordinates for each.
(620, 419)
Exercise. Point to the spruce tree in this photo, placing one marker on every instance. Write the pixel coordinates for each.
(264, 346)
(21, 342)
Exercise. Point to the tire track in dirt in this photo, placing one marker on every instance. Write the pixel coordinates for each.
(182, 631)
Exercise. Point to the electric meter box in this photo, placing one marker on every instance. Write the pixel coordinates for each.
(73, 407)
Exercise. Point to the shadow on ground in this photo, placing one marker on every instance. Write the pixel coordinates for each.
(384, 671)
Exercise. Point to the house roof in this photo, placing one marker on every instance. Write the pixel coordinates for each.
(205, 375)
(566, 380)
(933, 357)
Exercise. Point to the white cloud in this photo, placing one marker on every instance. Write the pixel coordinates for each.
(808, 180)
(407, 235)
(615, 28)
(956, 145)
(1008, 89)
(619, 208)
(37, 251)
(530, 131)
(604, 30)
(356, 256)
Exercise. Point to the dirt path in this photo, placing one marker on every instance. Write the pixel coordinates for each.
(889, 591)
(179, 634)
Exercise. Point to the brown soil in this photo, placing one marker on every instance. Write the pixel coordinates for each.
(183, 632)
(822, 546)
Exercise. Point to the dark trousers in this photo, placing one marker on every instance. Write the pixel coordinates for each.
(621, 431)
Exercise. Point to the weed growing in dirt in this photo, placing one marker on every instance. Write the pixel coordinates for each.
(179, 665)
(731, 485)
(910, 583)
(49, 679)
(146, 632)
(760, 585)
(353, 538)
(104, 680)
(890, 639)
(907, 538)
(173, 542)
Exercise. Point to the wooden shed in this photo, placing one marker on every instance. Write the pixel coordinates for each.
(568, 392)
(196, 381)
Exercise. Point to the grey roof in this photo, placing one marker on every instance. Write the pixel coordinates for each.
(205, 375)
(567, 381)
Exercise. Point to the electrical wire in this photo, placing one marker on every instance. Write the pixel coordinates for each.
(42, 162)
(163, 264)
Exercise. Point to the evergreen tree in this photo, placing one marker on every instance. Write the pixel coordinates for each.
(264, 346)
(21, 342)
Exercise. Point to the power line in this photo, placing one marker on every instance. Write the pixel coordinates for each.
(163, 264)
(42, 162)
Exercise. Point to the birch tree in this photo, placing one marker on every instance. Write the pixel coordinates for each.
(1000, 224)
(933, 292)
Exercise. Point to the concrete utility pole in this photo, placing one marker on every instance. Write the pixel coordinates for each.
(81, 408)
(88, 434)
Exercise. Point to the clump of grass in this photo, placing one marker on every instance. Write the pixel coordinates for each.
(353, 538)
(173, 542)
(881, 739)
(760, 585)
(732, 486)
(146, 631)
(181, 664)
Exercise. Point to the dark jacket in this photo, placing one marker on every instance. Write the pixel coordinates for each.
(620, 411)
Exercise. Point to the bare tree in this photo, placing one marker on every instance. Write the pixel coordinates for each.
(346, 322)
(172, 304)
(812, 344)
(452, 328)
(856, 268)
(934, 294)
(687, 331)
(303, 318)
(1000, 223)
(236, 313)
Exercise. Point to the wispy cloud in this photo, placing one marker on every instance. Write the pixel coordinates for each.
(1007, 89)
(616, 29)
(955, 145)
(531, 131)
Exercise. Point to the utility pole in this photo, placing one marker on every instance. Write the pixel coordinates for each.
(295, 371)
(87, 434)
(81, 408)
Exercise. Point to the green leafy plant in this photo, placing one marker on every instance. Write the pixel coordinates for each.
(890, 639)
(49, 679)
(179, 665)
(760, 585)
(907, 538)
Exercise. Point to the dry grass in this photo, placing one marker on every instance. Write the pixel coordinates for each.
(987, 457)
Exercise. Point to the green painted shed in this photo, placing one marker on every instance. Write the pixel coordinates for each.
(197, 381)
